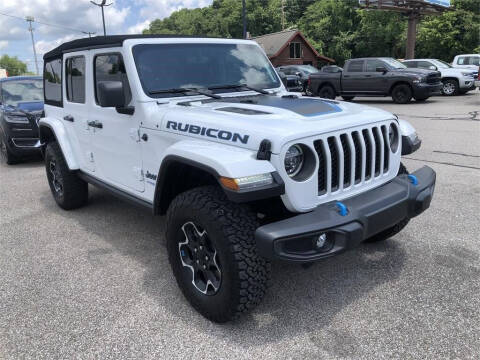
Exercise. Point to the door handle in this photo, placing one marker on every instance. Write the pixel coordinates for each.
(68, 118)
(95, 124)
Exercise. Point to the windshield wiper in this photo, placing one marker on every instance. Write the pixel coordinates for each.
(184, 91)
(238, 86)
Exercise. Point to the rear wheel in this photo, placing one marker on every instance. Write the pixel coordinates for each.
(327, 92)
(6, 155)
(212, 251)
(394, 230)
(450, 87)
(402, 94)
(68, 190)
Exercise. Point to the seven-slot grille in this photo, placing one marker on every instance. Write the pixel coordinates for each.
(352, 158)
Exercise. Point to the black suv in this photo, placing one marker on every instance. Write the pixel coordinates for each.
(21, 106)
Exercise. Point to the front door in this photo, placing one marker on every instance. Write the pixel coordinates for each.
(377, 80)
(116, 144)
(353, 76)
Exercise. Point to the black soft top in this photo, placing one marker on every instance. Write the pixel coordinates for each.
(102, 41)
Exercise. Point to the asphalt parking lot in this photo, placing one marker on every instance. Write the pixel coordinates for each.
(96, 283)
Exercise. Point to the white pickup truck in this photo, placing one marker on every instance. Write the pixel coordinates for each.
(204, 131)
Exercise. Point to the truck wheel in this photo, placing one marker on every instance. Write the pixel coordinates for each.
(6, 155)
(450, 87)
(212, 251)
(348, 98)
(394, 230)
(402, 94)
(68, 190)
(327, 92)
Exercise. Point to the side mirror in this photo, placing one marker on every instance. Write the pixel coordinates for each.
(432, 67)
(111, 94)
(381, 69)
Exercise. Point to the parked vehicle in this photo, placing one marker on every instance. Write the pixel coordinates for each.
(292, 82)
(467, 61)
(331, 69)
(377, 77)
(21, 105)
(302, 71)
(244, 171)
(455, 81)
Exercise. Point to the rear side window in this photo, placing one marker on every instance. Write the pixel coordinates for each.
(110, 67)
(52, 82)
(410, 64)
(355, 66)
(75, 79)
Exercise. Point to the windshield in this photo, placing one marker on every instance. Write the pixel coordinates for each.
(309, 69)
(15, 92)
(173, 66)
(395, 64)
(441, 64)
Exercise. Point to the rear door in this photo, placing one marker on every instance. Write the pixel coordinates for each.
(353, 76)
(75, 107)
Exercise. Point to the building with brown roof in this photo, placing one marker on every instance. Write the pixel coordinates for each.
(289, 47)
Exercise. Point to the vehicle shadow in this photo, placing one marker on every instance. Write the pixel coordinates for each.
(300, 300)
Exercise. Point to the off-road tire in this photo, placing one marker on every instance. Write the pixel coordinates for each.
(74, 191)
(327, 92)
(348, 98)
(402, 94)
(6, 155)
(230, 228)
(394, 230)
(450, 87)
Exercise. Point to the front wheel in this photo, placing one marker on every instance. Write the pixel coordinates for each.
(68, 190)
(450, 87)
(6, 155)
(394, 230)
(213, 255)
(402, 94)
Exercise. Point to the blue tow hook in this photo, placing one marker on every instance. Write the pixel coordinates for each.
(413, 179)
(342, 209)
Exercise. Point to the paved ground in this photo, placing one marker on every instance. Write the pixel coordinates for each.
(95, 283)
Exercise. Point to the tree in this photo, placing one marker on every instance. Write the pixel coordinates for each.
(13, 65)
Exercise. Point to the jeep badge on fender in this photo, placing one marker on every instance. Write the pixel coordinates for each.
(245, 172)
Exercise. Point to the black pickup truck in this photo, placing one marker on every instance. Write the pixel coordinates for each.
(377, 77)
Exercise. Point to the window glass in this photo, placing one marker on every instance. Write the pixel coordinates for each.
(75, 79)
(52, 77)
(295, 50)
(425, 65)
(473, 60)
(15, 92)
(410, 64)
(373, 64)
(355, 66)
(461, 60)
(110, 67)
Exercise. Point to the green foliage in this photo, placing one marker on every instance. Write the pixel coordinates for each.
(336, 28)
(13, 65)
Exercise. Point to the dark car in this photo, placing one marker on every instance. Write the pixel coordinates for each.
(302, 71)
(377, 77)
(21, 106)
(292, 82)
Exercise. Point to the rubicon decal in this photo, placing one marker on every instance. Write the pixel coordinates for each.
(209, 132)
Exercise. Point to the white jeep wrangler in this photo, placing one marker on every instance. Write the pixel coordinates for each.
(203, 130)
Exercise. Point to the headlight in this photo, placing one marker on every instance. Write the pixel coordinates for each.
(294, 160)
(419, 79)
(393, 137)
(469, 74)
(16, 119)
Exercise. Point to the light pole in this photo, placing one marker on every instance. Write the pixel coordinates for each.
(30, 20)
(102, 4)
(244, 16)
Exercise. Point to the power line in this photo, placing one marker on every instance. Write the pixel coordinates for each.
(45, 23)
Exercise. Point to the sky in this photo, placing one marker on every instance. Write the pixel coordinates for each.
(71, 17)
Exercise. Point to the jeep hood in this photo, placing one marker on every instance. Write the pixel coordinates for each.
(244, 121)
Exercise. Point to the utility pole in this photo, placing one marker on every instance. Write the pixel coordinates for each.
(413, 18)
(88, 33)
(244, 16)
(283, 15)
(30, 20)
(102, 4)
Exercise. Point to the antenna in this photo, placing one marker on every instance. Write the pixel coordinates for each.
(102, 4)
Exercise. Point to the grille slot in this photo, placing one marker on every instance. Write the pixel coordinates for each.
(352, 158)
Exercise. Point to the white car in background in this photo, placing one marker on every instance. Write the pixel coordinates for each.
(467, 61)
(455, 80)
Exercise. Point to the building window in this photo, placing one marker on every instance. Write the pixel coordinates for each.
(295, 50)
(75, 79)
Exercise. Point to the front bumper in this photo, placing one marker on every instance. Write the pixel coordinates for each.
(409, 145)
(423, 90)
(367, 214)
